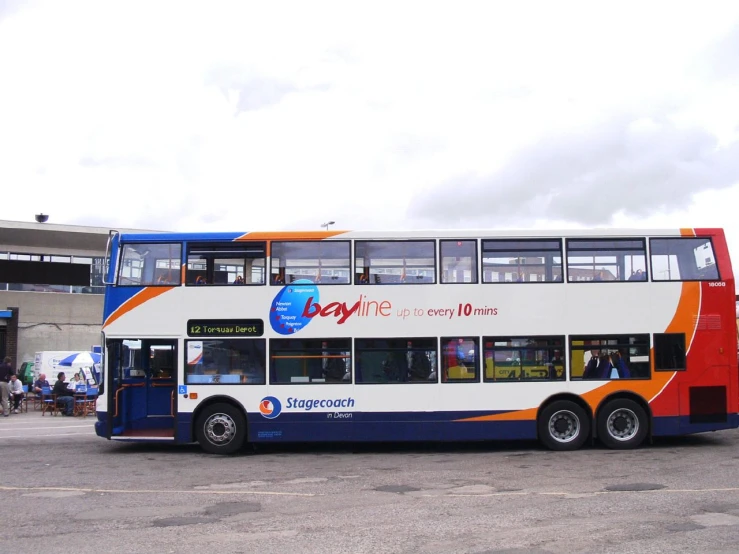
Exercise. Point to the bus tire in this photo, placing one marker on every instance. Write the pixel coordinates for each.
(563, 425)
(622, 424)
(221, 429)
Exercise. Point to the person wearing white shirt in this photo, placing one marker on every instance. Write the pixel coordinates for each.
(16, 390)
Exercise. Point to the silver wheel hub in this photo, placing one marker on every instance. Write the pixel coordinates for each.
(564, 426)
(220, 429)
(622, 424)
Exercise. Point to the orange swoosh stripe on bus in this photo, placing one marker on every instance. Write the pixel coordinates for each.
(139, 298)
(682, 322)
(290, 235)
(687, 311)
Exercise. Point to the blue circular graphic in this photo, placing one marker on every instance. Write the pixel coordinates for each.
(270, 407)
(293, 307)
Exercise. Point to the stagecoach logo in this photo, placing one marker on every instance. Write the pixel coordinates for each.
(270, 407)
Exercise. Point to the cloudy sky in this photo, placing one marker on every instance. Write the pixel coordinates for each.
(263, 115)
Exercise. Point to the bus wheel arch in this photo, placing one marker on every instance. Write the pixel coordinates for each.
(220, 425)
(564, 422)
(623, 421)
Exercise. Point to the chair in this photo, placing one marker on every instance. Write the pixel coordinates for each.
(36, 399)
(91, 401)
(85, 400)
(48, 402)
(23, 405)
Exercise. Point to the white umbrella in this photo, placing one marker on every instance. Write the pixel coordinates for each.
(81, 358)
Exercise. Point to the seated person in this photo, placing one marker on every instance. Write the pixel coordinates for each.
(278, 279)
(16, 392)
(239, 280)
(200, 280)
(40, 383)
(460, 353)
(556, 365)
(73, 382)
(420, 368)
(64, 396)
(335, 370)
(80, 383)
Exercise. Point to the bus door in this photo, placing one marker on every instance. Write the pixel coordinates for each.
(142, 400)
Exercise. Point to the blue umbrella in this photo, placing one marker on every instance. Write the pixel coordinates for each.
(81, 358)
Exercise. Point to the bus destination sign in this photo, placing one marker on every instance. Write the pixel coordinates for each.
(225, 328)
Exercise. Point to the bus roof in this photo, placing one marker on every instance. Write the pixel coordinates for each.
(415, 234)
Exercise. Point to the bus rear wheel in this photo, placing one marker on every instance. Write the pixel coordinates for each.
(622, 424)
(563, 425)
(221, 429)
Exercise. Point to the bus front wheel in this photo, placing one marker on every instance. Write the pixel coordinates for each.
(622, 424)
(563, 425)
(221, 429)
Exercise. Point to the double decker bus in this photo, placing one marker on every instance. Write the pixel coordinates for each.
(229, 338)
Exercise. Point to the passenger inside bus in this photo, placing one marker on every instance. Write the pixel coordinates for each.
(336, 370)
(591, 367)
(619, 364)
(239, 280)
(200, 280)
(599, 366)
(556, 366)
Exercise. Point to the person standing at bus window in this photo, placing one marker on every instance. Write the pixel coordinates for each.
(6, 370)
(604, 367)
(590, 371)
(620, 365)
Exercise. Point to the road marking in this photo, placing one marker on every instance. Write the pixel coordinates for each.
(308, 494)
(37, 436)
(578, 494)
(52, 427)
(153, 491)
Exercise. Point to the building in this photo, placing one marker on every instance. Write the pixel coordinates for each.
(51, 287)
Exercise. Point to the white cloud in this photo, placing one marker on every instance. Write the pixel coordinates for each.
(182, 116)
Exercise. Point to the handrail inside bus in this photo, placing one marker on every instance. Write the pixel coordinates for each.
(111, 235)
(120, 389)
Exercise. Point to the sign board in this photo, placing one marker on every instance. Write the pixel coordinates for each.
(225, 328)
